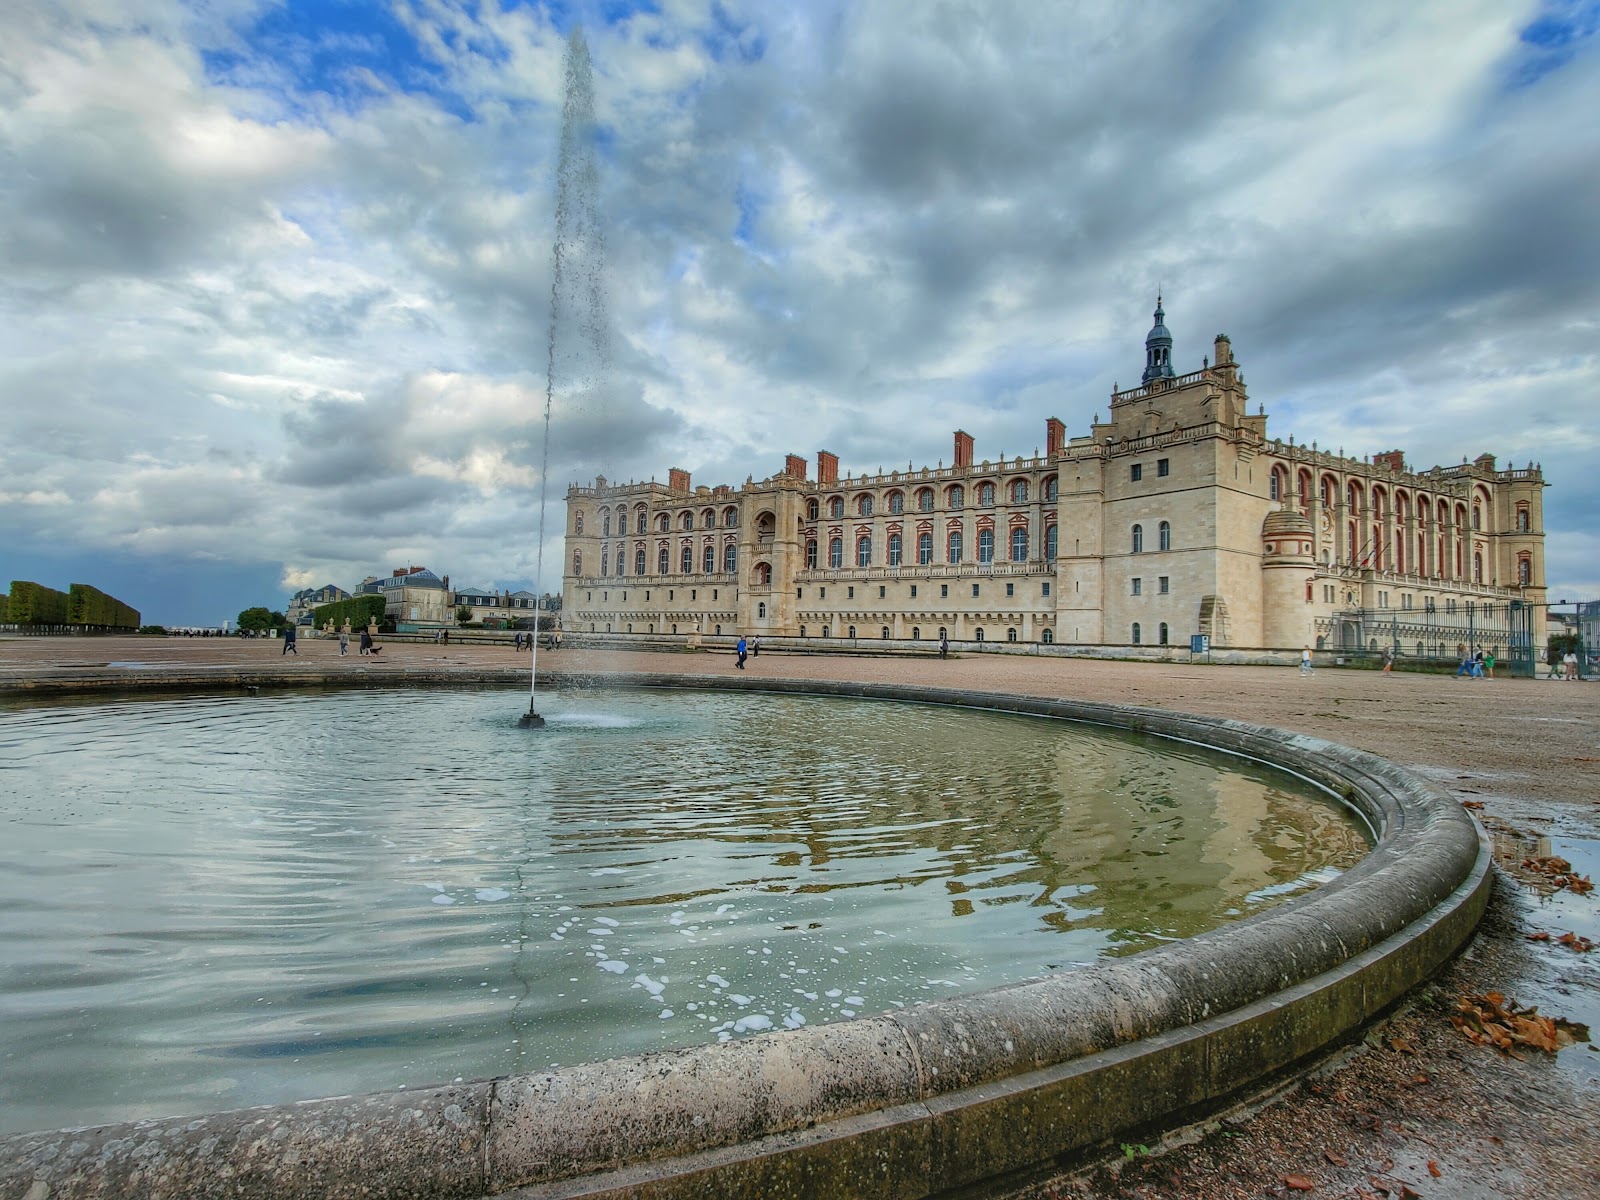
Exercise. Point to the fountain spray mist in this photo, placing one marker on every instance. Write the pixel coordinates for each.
(577, 355)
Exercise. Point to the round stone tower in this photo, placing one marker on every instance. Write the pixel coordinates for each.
(1287, 571)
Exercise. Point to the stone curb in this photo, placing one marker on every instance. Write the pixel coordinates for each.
(915, 1103)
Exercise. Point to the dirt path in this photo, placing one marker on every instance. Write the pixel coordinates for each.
(1417, 1109)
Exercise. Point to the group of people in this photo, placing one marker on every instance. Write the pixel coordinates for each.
(1569, 667)
(746, 650)
(1475, 666)
(524, 641)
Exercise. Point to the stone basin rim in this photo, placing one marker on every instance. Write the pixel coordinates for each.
(934, 1097)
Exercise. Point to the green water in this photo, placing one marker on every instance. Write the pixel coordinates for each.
(215, 902)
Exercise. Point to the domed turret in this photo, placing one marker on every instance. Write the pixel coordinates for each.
(1286, 578)
(1158, 348)
(1287, 534)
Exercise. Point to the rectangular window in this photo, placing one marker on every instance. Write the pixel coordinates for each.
(944, 591)
(713, 594)
(882, 591)
(1138, 587)
(1163, 467)
(1011, 589)
(693, 592)
(822, 593)
(799, 593)
(1161, 585)
(1383, 599)
(1136, 472)
(1046, 589)
(669, 593)
(850, 593)
(913, 591)
(646, 596)
(974, 589)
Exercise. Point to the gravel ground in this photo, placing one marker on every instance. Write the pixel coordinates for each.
(1415, 1109)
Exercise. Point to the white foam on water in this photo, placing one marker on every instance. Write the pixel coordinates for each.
(615, 966)
(794, 1020)
(599, 931)
(724, 908)
(438, 887)
(834, 993)
(491, 894)
(606, 921)
(752, 1024)
(665, 1013)
(855, 1000)
(607, 871)
(654, 987)
(676, 918)
(585, 720)
(718, 980)
(444, 898)
(741, 1001)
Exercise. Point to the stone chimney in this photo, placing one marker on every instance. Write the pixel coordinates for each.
(794, 466)
(963, 456)
(678, 479)
(1222, 350)
(1390, 460)
(827, 467)
(1055, 436)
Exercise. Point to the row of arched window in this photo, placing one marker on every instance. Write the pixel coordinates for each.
(955, 496)
(708, 560)
(641, 518)
(954, 548)
(1163, 537)
(1138, 634)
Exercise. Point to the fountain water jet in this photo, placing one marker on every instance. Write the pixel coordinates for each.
(577, 285)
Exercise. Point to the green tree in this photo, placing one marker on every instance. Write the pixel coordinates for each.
(260, 618)
(463, 615)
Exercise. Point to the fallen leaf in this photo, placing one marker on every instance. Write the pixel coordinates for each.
(1335, 1159)
(1401, 1045)
(1433, 1169)
(1298, 1183)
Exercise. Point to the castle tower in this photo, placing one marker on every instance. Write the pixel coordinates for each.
(1287, 570)
(1158, 348)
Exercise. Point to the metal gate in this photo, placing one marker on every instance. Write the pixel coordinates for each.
(1439, 635)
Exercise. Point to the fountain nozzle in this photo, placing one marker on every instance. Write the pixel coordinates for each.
(530, 719)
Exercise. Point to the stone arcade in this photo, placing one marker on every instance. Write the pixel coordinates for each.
(1176, 515)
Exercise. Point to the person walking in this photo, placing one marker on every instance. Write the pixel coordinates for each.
(1488, 664)
(289, 646)
(755, 646)
(1388, 660)
(1569, 661)
(366, 641)
(944, 645)
(1465, 667)
(1305, 660)
(344, 642)
(742, 650)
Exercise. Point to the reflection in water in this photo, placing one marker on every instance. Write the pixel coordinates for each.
(216, 902)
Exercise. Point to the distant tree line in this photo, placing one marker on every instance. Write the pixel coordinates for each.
(358, 610)
(80, 605)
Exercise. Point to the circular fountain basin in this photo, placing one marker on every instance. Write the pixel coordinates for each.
(655, 871)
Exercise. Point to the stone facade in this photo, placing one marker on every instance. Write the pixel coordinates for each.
(1176, 515)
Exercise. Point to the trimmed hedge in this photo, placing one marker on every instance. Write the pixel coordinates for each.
(34, 604)
(358, 610)
(90, 606)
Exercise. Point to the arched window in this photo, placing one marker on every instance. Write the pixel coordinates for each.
(924, 549)
(730, 518)
(1011, 634)
(894, 549)
(1050, 491)
(943, 633)
(1019, 492)
(1164, 535)
(811, 553)
(577, 523)
(1524, 570)
(1477, 516)
(864, 506)
(641, 525)
(1275, 484)
(885, 634)
(638, 561)
(977, 634)
(824, 631)
(956, 497)
(661, 560)
(730, 558)
(986, 495)
(864, 550)
(1138, 539)
(836, 552)
(708, 558)
(1477, 568)
(763, 574)
(1048, 637)
(1019, 544)
(925, 500)
(916, 633)
(985, 545)
(1136, 633)
(577, 562)
(835, 507)
(952, 546)
(686, 559)
(708, 519)
(663, 523)
(622, 560)
(1163, 633)
(897, 502)
(1523, 525)
(852, 634)
(811, 510)
(686, 522)
(605, 561)
(1050, 542)
(761, 611)
(1353, 496)
(605, 525)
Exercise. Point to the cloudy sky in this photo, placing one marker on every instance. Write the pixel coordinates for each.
(275, 276)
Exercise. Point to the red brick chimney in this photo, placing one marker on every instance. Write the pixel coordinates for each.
(827, 467)
(1390, 460)
(678, 479)
(794, 466)
(963, 449)
(1055, 435)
